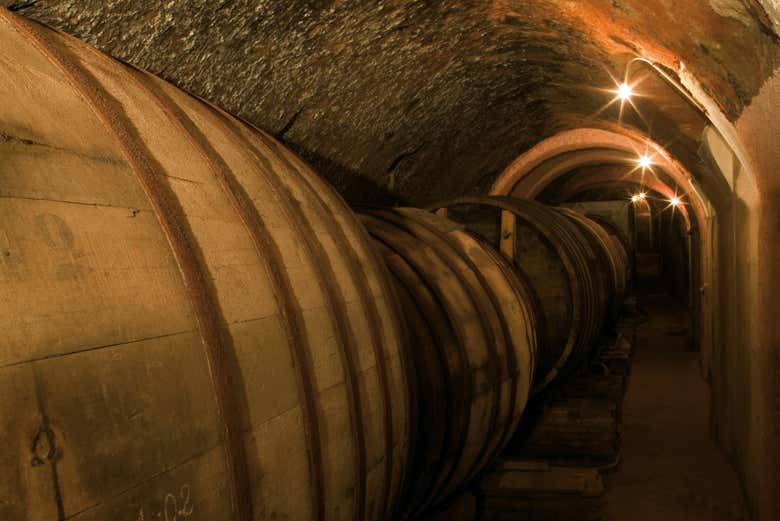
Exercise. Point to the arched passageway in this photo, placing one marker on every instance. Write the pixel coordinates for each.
(667, 399)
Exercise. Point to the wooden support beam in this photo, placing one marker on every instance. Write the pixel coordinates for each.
(508, 228)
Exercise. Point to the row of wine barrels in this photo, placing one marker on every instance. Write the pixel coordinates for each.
(194, 326)
(473, 345)
(564, 260)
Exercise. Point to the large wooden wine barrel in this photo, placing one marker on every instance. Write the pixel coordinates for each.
(615, 231)
(624, 248)
(563, 266)
(473, 345)
(194, 326)
(612, 254)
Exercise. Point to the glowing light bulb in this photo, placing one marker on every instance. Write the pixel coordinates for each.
(675, 201)
(634, 198)
(625, 92)
(645, 161)
(642, 195)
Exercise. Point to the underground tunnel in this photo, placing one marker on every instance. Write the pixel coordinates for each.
(337, 260)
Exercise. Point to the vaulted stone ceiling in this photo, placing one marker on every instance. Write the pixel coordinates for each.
(417, 100)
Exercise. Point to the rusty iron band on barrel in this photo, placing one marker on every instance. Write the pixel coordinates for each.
(369, 307)
(324, 191)
(266, 248)
(335, 304)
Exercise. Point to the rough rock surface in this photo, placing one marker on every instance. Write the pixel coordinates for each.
(416, 100)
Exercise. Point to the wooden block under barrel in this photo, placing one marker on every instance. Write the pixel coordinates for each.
(574, 430)
(617, 359)
(605, 387)
(531, 491)
(460, 507)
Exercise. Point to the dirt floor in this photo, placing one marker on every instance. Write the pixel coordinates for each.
(670, 469)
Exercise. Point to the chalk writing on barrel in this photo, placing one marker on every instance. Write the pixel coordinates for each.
(174, 508)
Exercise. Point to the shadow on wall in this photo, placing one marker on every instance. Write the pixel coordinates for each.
(356, 189)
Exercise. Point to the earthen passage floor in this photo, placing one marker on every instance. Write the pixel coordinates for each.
(670, 468)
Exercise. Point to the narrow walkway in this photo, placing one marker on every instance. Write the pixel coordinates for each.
(670, 470)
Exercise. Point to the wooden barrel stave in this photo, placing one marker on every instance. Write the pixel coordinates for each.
(620, 249)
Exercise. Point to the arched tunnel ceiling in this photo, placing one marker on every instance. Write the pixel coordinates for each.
(418, 100)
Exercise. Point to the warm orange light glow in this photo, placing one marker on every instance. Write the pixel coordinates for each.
(635, 198)
(625, 91)
(675, 201)
(642, 195)
(645, 161)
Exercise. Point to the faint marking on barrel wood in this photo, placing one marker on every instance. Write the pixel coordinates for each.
(175, 507)
(174, 225)
(44, 445)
